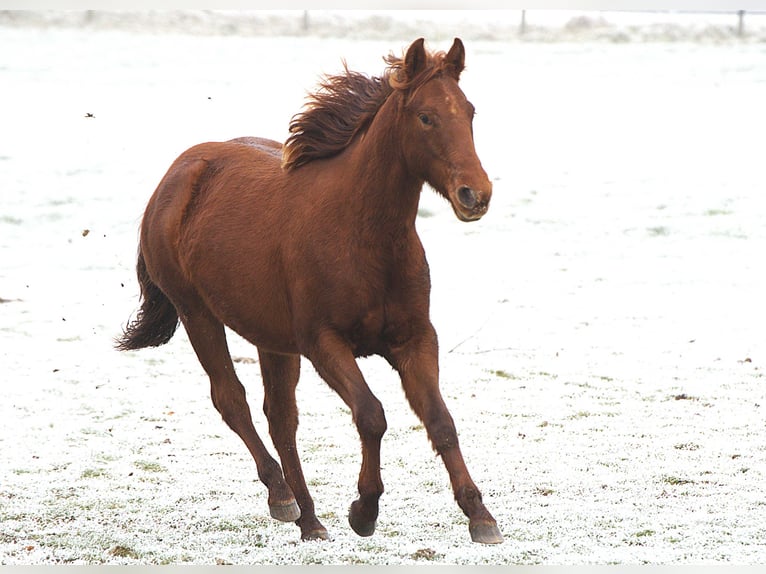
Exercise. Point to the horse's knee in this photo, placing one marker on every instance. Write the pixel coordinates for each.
(371, 420)
(443, 435)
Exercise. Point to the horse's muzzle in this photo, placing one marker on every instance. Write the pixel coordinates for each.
(471, 205)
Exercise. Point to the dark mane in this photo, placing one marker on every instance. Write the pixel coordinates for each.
(344, 105)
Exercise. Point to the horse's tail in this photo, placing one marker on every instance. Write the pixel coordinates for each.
(156, 320)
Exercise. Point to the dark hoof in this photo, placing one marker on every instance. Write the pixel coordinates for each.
(360, 525)
(316, 534)
(287, 512)
(485, 533)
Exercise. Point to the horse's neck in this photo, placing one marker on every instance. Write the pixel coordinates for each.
(386, 192)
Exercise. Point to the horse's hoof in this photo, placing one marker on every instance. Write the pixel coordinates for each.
(485, 533)
(316, 534)
(361, 526)
(287, 512)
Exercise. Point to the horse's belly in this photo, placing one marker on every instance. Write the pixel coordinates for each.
(366, 334)
(261, 319)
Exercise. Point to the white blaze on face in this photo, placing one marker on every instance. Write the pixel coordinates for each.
(453, 110)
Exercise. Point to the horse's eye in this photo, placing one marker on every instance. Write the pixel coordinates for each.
(424, 119)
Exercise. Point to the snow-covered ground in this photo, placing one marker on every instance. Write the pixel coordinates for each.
(607, 378)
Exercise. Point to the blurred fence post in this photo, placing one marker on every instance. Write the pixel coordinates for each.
(305, 20)
(523, 23)
(741, 25)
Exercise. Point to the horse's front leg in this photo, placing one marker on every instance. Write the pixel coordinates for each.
(335, 363)
(418, 365)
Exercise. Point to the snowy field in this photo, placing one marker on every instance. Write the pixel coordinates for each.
(607, 377)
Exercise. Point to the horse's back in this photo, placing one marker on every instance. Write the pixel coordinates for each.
(263, 144)
(229, 185)
(209, 169)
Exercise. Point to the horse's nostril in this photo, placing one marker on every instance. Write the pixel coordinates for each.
(467, 197)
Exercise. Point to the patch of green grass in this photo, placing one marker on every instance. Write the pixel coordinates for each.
(431, 485)
(585, 385)
(237, 524)
(93, 473)
(659, 231)
(15, 517)
(149, 466)
(638, 539)
(674, 540)
(104, 457)
(714, 212)
(123, 552)
(425, 554)
(677, 481)
(227, 526)
(503, 374)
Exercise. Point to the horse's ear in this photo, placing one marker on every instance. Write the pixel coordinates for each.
(456, 58)
(415, 60)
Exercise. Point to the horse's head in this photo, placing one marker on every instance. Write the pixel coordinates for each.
(437, 120)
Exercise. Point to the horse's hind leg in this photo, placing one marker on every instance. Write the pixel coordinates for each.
(280, 377)
(208, 338)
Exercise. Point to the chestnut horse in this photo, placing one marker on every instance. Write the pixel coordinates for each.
(310, 249)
